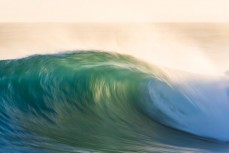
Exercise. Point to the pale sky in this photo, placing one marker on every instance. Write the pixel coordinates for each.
(114, 11)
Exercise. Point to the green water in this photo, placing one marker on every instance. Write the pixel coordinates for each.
(85, 102)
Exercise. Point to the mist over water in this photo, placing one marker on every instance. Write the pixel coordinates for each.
(114, 87)
(197, 47)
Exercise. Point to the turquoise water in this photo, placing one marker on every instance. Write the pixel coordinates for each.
(96, 102)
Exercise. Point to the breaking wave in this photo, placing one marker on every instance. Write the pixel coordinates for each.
(98, 101)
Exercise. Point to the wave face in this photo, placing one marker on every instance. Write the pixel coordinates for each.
(97, 101)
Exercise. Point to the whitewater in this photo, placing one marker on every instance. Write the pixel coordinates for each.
(113, 101)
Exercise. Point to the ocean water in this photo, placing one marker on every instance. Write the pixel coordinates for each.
(102, 102)
(160, 88)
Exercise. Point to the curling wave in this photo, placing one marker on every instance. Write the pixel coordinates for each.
(100, 101)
